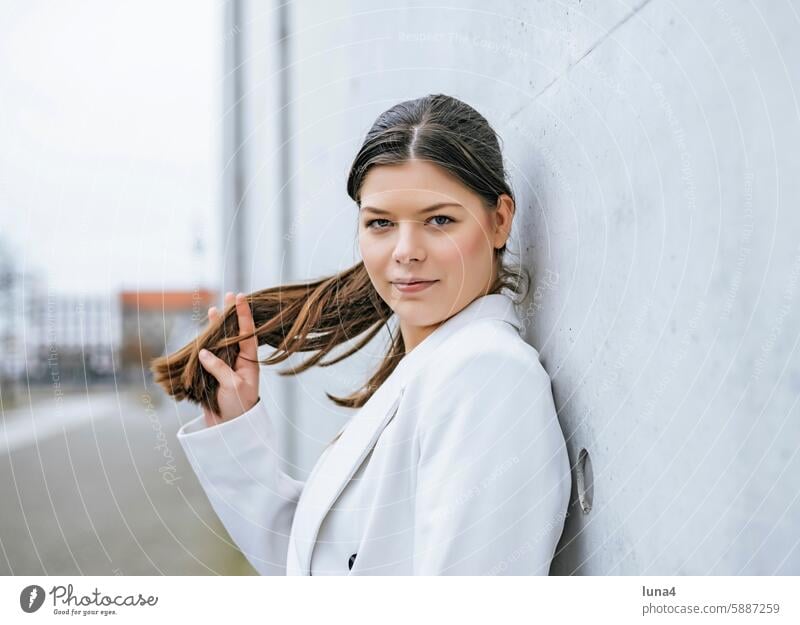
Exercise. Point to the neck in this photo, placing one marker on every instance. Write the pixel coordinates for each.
(414, 335)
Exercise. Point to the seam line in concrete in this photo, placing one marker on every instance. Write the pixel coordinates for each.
(589, 50)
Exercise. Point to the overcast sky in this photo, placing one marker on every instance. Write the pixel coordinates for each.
(110, 123)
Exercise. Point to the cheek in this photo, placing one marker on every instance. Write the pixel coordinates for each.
(375, 256)
(370, 251)
(465, 250)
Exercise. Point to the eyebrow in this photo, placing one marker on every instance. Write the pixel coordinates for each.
(380, 211)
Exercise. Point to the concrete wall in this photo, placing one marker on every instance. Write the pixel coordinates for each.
(653, 151)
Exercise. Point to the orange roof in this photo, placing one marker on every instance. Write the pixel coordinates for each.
(166, 300)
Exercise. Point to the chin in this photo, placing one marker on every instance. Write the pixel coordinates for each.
(415, 314)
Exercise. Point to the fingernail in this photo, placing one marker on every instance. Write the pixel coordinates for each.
(203, 353)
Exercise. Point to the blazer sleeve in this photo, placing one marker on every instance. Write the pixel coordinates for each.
(238, 467)
(493, 476)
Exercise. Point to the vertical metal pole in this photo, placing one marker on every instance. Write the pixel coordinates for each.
(284, 179)
(284, 135)
(234, 166)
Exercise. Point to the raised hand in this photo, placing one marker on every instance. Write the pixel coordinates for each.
(238, 387)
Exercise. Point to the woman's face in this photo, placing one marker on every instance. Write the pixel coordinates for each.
(452, 245)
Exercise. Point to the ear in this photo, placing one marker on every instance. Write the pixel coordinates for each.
(503, 216)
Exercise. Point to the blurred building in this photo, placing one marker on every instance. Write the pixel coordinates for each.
(12, 363)
(158, 322)
(7, 317)
(73, 340)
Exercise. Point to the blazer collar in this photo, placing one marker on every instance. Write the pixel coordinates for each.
(341, 460)
(493, 306)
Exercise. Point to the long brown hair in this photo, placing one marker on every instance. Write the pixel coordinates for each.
(319, 315)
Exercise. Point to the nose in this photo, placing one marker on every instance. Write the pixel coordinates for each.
(408, 245)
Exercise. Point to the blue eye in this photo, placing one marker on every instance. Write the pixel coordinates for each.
(370, 223)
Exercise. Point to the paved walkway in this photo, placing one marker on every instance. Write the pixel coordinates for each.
(97, 484)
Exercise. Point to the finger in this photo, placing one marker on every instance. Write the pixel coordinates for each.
(230, 299)
(216, 367)
(248, 347)
(217, 315)
(230, 303)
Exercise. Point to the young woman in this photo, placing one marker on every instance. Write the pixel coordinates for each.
(455, 462)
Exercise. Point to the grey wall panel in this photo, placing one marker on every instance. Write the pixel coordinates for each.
(653, 151)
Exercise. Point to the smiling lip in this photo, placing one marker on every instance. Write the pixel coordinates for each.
(413, 287)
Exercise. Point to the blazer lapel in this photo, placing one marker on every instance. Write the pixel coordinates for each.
(343, 458)
(333, 472)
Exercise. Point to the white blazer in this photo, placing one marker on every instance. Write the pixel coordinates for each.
(456, 465)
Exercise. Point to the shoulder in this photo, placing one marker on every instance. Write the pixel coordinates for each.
(485, 349)
(484, 396)
(484, 371)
